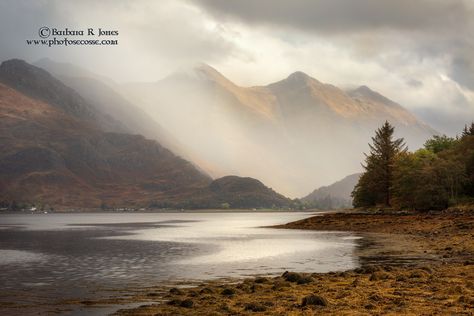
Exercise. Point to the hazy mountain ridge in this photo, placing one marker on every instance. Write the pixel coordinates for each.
(101, 93)
(336, 195)
(39, 84)
(290, 134)
(50, 157)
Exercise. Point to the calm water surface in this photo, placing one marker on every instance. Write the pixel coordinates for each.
(75, 256)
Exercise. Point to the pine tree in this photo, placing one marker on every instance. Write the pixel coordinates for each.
(374, 186)
(468, 131)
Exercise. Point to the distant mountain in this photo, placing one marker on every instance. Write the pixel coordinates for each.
(291, 134)
(232, 192)
(334, 196)
(245, 192)
(204, 112)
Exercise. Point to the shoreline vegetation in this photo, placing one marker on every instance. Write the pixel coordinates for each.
(435, 177)
(159, 210)
(411, 263)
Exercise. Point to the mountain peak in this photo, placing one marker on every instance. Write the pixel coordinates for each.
(298, 75)
(296, 80)
(18, 67)
(364, 89)
(206, 67)
(367, 93)
(300, 78)
(208, 73)
(14, 61)
(38, 83)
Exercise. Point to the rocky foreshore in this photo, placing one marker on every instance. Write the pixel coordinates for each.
(411, 264)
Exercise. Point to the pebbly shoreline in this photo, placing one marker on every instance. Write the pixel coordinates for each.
(411, 263)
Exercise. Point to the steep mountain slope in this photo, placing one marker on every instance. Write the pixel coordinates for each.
(39, 84)
(48, 156)
(380, 106)
(291, 134)
(336, 195)
(100, 93)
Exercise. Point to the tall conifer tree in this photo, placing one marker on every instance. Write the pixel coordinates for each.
(374, 186)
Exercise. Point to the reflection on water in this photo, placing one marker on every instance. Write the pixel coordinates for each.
(17, 256)
(74, 255)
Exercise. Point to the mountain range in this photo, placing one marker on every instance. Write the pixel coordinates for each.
(97, 142)
(334, 196)
(295, 134)
(60, 149)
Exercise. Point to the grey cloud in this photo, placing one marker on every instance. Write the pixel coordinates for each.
(443, 120)
(412, 40)
(336, 16)
(20, 20)
(448, 117)
(414, 83)
(155, 37)
(425, 28)
(462, 71)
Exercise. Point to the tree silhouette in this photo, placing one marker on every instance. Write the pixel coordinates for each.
(374, 186)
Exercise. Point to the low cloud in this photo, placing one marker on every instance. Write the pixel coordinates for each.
(341, 16)
(418, 53)
(155, 37)
(462, 71)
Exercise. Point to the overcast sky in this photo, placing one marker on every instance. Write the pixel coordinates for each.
(418, 53)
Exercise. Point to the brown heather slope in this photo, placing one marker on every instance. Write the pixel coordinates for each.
(101, 93)
(50, 157)
(38, 84)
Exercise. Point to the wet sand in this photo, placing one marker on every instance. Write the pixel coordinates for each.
(411, 264)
